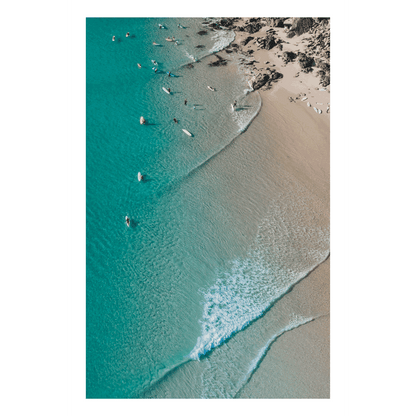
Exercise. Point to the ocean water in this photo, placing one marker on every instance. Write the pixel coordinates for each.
(215, 238)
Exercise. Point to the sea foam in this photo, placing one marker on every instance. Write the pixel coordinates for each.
(285, 251)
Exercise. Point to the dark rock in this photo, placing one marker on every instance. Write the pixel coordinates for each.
(307, 70)
(252, 27)
(305, 61)
(227, 22)
(276, 75)
(200, 46)
(189, 66)
(228, 50)
(323, 65)
(267, 43)
(274, 21)
(260, 80)
(325, 81)
(288, 57)
(291, 34)
(246, 40)
(302, 25)
(202, 32)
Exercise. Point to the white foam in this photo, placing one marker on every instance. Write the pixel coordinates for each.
(221, 38)
(289, 244)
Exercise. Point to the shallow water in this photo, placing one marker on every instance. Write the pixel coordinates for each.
(217, 235)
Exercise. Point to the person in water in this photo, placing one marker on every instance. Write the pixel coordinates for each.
(235, 103)
(185, 101)
(128, 221)
(169, 89)
(155, 69)
(169, 74)
(175, 120)
(139, 65)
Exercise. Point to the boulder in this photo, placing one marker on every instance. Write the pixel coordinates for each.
(301, 25)
(267, 43)
(288, 57)
(252, 27)
(246, 40)
(325, 80)
(260, 80)
(305, 61)
(276, 75)
(274, 21)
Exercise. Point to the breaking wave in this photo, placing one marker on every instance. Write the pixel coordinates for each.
(283, 254)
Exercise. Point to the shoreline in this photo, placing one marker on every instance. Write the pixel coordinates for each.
(304, 150)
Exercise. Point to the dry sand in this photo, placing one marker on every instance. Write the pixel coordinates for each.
(297, 364)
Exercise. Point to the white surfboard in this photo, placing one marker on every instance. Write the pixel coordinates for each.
(187, 132)
(164, 89)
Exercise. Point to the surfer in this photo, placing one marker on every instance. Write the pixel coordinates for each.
(176, 121)
(185, 101)
(169, 74)
(169, 89)
(139, 65)
(127, 34)
(128, 221)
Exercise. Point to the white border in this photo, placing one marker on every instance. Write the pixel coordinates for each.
(78, 11)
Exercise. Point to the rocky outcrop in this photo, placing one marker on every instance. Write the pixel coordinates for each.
(275, 75)
(246, 40)
(274, 21)
(202, 32)
(305, 61)
(288, 57)
(301, 25)
(266, 43)
(319, 46)
(260, 80)
(251, 26)
(325, 80)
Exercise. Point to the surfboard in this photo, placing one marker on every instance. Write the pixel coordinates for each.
(187, 132)
(164, 89)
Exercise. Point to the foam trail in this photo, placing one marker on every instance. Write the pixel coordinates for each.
(295, 322)
(285, 251)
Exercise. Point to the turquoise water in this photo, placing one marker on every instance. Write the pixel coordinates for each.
(207, 252)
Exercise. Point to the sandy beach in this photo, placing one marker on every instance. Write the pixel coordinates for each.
(297, 364)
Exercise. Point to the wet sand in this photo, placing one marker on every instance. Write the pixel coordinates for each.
(297, 364)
